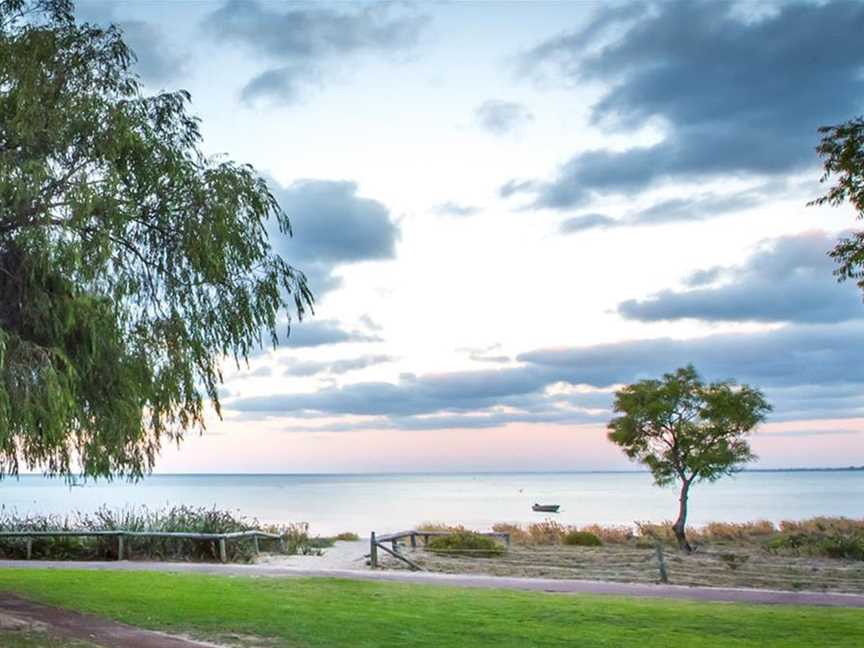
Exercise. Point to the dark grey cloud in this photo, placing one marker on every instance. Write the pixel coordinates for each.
(697, 207)
(808, 372)
(786, 357)
(303, 368)
(789, 279)
(158, 60)
(304, 42)
(585, 222)
(450, 208)
(738, 94)
(332, 226)
(315, 333)
(502, 117)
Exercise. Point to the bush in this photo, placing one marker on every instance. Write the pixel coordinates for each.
(737, 531)
(441, 526)
(465, 543)
(347, 536)
(827, 545)
(834, 525)
(295, 537)
(547, 532)
(576, 538)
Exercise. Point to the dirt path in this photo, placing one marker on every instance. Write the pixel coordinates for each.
(734, 595)
(66, 624)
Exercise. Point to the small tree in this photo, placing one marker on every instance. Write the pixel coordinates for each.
(842, 151)
(685, 430)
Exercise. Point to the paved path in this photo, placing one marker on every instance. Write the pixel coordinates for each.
(67, 624)
(727, 594)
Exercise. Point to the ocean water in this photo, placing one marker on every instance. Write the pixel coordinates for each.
(382, 503)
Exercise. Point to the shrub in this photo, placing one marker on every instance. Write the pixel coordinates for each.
(828, 545)
(441, 526)
(547, 532)
(659, 531)
(576, 538)
(610, 534)
(294, 538)
(347, 536)
(738, 531)
(465, 543)
(518, 535)
(836, 525)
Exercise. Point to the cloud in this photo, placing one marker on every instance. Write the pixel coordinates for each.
(808, 372)
(450, 208)
(585, 222)
(317, 333)
(502, 117)
(333, 367)
(736, 94)
(158, 62)
(696, 207)
(332, 226)
(304, 43)
(786, 357)
(788, 279)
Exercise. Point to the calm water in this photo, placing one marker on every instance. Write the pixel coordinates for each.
(363, 503)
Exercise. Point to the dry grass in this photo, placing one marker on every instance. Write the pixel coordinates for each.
(795, 555)
(712, 565)
(441, 526)
(839, 525)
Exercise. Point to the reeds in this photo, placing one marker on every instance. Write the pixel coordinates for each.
(294, 537)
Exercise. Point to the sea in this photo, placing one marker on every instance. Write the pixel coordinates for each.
(390, 502)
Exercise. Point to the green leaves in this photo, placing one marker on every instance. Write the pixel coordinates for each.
(842, 151)
(130, 264)
(683, 429)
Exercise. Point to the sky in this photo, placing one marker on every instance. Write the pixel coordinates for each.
(507, 211)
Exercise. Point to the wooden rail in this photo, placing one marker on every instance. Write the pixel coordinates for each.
(376, 542)
(121, 535)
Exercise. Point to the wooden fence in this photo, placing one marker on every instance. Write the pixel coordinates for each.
(377, 542)
(218, 538)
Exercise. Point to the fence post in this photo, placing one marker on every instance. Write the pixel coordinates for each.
(255, 540)
(29, 548)
(373, 551)
(413, 540)
(661, 563)
(119, 546)
(223, 553)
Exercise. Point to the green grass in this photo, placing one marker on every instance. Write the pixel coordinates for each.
(335, 613)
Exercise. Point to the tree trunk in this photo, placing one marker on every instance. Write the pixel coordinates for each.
(681, 522)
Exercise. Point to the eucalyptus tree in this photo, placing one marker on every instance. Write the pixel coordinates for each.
(687, 431)
(131, 265)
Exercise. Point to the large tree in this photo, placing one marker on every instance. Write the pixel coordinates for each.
(842, 153)
(131, 265)
(685, 430)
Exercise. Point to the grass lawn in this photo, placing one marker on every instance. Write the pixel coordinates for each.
(333, 613)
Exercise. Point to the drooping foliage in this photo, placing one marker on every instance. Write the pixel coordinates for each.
(842, 153)
(685, 430)
(131, 264)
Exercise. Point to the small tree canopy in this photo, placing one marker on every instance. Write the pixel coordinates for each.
(130, 263)
(842, 151)
(685, 430)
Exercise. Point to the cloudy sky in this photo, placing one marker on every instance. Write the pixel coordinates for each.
(508, 210)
